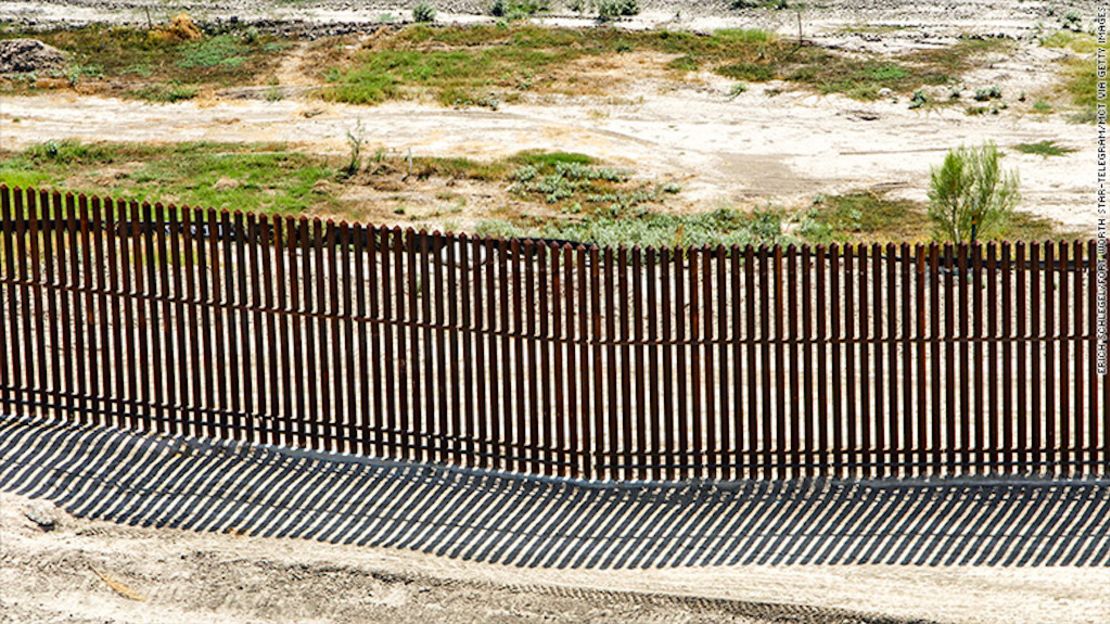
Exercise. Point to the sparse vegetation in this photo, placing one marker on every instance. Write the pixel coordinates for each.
(862, 217)
(613, 9)
(737, 90)
(155, 65)
(1080, 84)
(264, 177)
(423, 12)
(970, 197)
(518, 9)
(484, 65)
(1080, 43)
(988, 93)
(356, 138)
(1043, 148)
(724, 226)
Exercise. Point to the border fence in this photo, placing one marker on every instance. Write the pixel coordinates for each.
(554, 359)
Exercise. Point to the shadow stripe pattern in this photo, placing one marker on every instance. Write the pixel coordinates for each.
(222, 486)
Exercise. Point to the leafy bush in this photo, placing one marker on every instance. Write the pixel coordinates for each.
(423, 12)
(970, 197)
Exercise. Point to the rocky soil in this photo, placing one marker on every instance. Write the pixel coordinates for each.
(29, 55)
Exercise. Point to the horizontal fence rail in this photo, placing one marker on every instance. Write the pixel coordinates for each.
(553, 359)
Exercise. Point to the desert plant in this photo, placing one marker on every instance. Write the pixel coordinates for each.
(969, 195)
(612, 9)
(423, 12)
(517, 9)
(356, 138)
(1072, 21)
(992, 93)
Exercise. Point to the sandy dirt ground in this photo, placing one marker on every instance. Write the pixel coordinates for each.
(783, 149)
(768, 146)
(88, 571)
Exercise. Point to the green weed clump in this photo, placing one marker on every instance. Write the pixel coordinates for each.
(1044, 148)
(423, 12)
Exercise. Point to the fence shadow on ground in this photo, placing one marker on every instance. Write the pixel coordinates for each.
(113, 475)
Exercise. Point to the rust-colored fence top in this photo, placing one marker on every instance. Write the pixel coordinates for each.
(550, 358)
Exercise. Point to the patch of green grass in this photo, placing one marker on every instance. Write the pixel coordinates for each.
(133, 62)
(223, 50)
(1044, 148)
(1041, 107)
(1080, 43)
(466, 65)
(725, 226)
(1024, 226)
(462, 77)
(866, 217)
(266, 178)
(1080, 84)
(863, 217)
(550, 159)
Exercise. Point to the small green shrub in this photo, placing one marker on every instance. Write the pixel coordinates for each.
(737, 90)
(986, 94)
(612, 9)
(1072, 21)
(423, 12)
(970, 197)
(356, 138)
